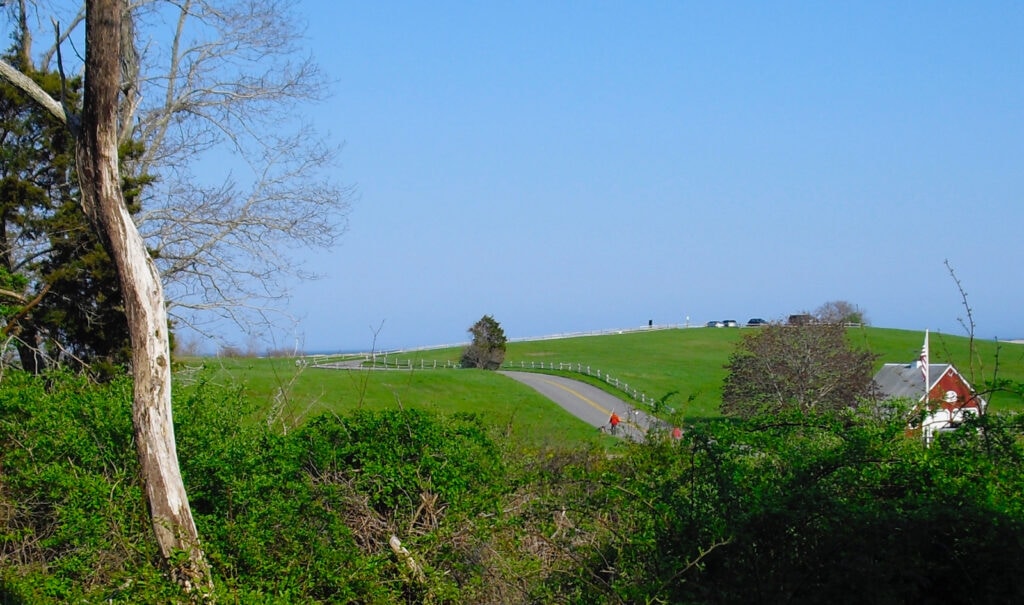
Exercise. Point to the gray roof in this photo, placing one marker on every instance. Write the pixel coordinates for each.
(905, 379)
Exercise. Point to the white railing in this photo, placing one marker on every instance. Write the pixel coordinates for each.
(390, 360)
(393, 362)
(579, 368)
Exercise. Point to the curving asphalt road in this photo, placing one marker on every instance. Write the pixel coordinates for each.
(589, 403)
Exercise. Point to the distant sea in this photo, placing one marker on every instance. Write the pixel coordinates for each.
(336, 352)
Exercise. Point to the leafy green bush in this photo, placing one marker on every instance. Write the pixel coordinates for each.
(834, 507)
(299, 517)
(396, 456)
(75, 517)
(826, 508)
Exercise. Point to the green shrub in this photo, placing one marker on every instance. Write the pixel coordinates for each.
(396, 456)
(829, 508)
(76, 521)
(785, 508)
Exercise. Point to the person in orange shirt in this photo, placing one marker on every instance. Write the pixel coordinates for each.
(614, 422)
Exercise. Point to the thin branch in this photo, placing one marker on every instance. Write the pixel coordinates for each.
(13, 322)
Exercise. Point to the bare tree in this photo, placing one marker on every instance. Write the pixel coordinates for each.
(809, 368)
(229, 84)
(840, 311)
(96, 132)
(219, 84)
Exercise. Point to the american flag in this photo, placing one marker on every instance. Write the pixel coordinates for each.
(924, 362)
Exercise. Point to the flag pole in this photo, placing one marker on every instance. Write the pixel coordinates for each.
(925, 370)
(924, 363)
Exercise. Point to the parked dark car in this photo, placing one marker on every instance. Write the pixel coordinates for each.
(756, 322)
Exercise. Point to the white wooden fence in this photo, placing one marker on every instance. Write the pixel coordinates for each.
(391, 360)
(394, 362)
(580, 368)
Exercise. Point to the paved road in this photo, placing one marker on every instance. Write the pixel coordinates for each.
(588, 403)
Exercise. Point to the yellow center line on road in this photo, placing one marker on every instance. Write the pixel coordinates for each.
(592, 403)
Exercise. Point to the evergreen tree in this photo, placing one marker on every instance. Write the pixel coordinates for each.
(487, 350)
(62, 302)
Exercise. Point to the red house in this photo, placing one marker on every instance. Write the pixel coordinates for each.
(949, 398)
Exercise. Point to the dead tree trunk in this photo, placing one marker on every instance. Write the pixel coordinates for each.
(103, 202)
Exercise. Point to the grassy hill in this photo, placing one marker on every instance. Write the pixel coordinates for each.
(683, 366)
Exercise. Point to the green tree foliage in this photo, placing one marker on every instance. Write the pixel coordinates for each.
(487, 349)
(35, 168)
(819, 508)
(805, 368)
(69, 310)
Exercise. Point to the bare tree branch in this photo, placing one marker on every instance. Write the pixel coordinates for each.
(33, 90)
(222, 83)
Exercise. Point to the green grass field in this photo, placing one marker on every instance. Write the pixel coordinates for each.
(292, 395)
(684, 366)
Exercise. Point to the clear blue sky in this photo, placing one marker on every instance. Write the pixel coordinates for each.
(575, 166)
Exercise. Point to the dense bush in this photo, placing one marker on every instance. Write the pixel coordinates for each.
(303, 517)
(829, 508)
(72, 514)
(824, 508)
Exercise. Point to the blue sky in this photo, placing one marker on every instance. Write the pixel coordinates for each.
(576, 166)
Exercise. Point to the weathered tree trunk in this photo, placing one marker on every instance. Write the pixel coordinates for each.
(103, 202)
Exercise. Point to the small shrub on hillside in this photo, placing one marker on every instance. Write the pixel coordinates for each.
(808, 368)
